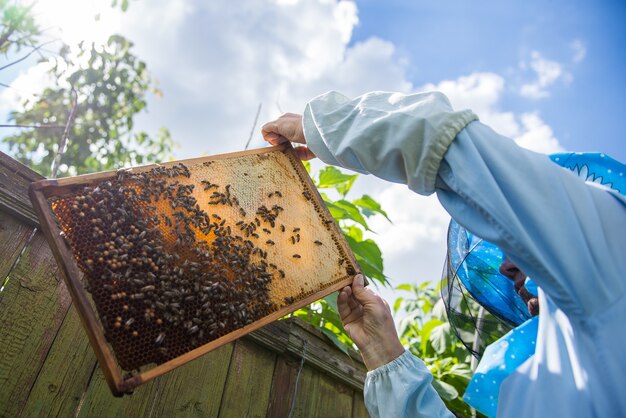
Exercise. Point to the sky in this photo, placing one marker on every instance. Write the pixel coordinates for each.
(550, 74)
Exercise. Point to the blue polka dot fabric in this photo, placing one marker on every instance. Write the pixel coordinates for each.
(594, 168)
(499, 360)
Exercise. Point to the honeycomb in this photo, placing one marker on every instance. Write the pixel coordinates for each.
(175, 256)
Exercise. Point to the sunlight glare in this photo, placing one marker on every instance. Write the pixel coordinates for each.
(75, 20)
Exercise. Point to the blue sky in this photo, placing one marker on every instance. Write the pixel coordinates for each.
(446, 39)
(549, 74)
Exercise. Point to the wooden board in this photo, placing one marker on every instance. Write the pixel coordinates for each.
(14, 181)
(283, 387)
(358, 406)
(32, 308)
(247, 390)
(295, 241)
(195, 389)
(66, 373)
(319, 396)
(13, 236)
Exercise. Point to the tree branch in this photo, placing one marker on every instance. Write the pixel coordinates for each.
(39, 126)
(37, 48)
(64, 138)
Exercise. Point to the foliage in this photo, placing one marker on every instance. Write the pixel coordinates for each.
(107, 85)
(351, 216)
(426, 332)
(17, 28)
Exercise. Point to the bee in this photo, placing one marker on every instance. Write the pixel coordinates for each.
(159, 339)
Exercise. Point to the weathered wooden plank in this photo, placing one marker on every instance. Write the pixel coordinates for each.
(249, 381)
(31, 311)
(320, 396)
(13, 235)
(195, 389)
(307, 397)
(283, 386)
(14, 180)
(288, 336)
(358, 406)
(99, 402)
(323, 355)
(65, 374)
(335, 399)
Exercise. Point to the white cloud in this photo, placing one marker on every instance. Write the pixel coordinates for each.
(75, 20)
(536, 135)
(579, 50)
(482, 93)
(223, 59)
(29, 82)
(216, 61)
(547, 73)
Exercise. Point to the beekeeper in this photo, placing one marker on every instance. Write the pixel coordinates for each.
(553, 226)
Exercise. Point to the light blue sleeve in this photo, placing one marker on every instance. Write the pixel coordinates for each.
(568, 236)
(565, 234)
(408, 379)
(397, 137)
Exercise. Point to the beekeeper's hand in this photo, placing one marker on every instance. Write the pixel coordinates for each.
(287, 128)
(367, 319)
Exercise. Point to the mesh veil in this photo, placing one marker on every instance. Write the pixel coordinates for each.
(481, 304)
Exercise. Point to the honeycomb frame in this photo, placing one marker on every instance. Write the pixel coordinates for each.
(166, 262)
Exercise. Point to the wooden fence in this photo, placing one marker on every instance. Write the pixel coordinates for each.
(47, 367)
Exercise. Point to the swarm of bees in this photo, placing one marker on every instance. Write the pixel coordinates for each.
(166, 282)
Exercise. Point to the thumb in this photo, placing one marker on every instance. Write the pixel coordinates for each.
(363, 295)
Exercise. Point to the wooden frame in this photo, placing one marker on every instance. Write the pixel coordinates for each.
(42, 190)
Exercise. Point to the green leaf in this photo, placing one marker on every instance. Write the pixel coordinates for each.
(407, 287)
(426, 332)
(446, 391)
(369, 257)
(460, 369)
(331, 300)
(441, 337)
(348, 211)
(439, 310)
(397, 304)
(331, 177)
(353, 232)
(370, 207)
